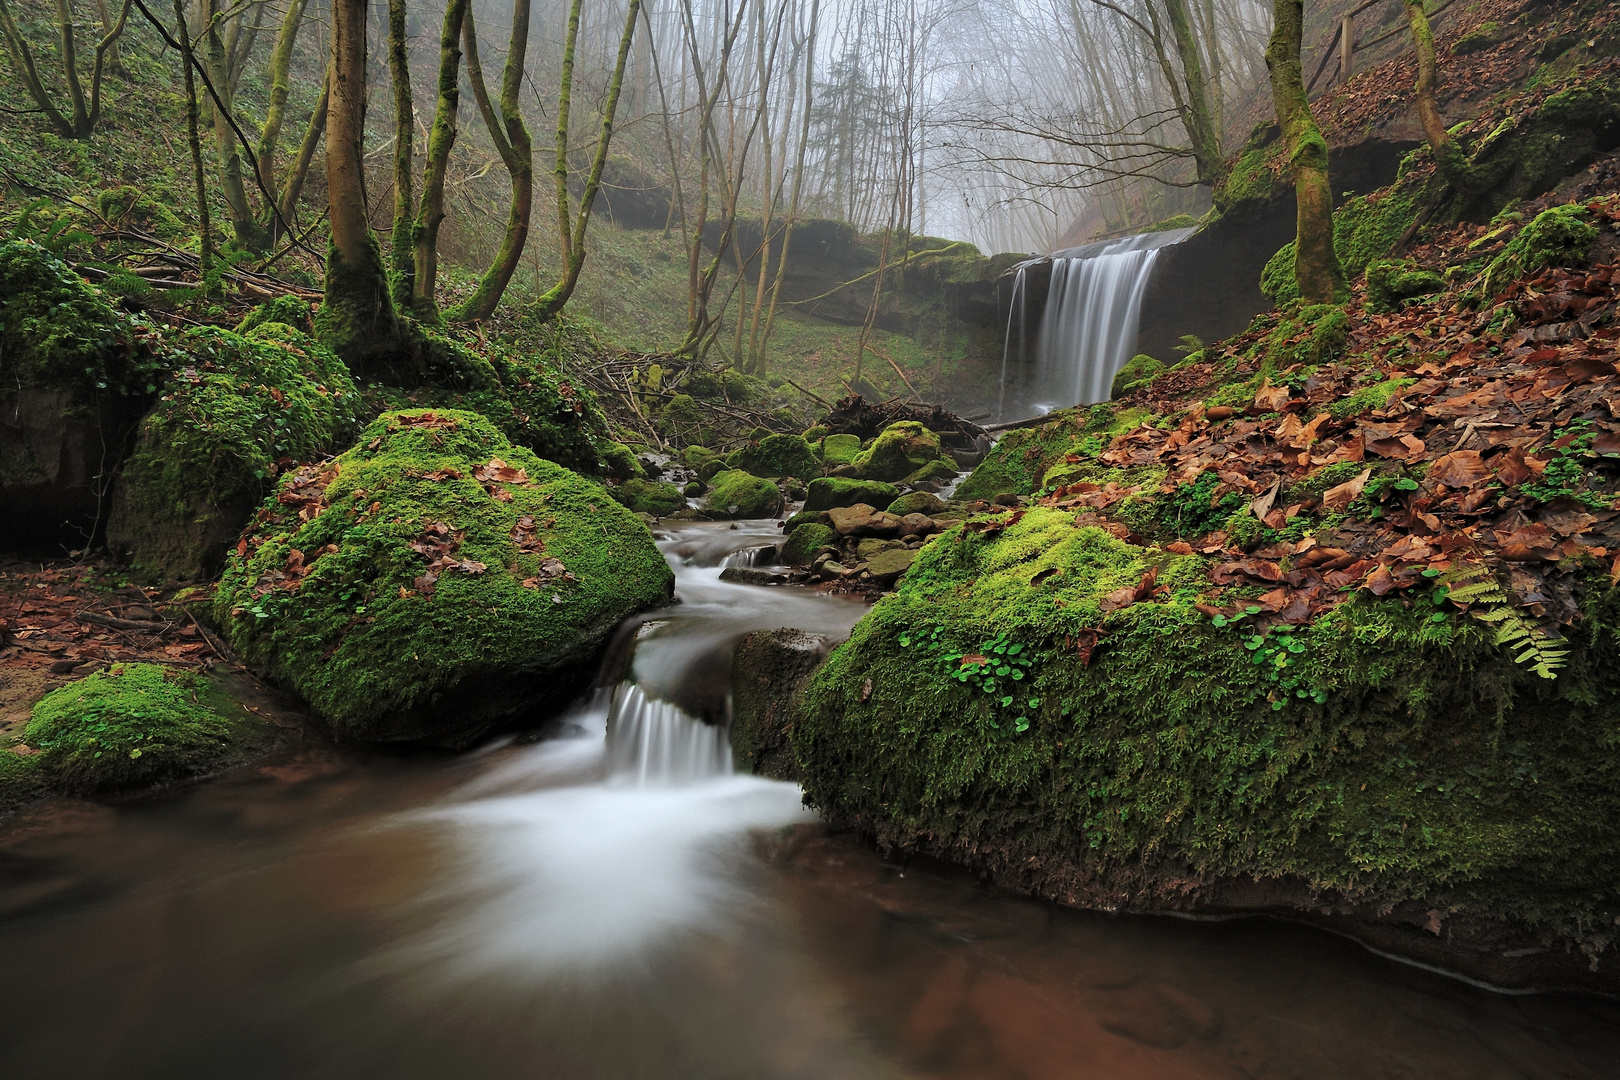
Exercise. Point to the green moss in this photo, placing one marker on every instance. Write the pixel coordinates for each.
(1137, 373)
(393, 629)
(1310, 334)
(916, 502)
(1368, 398)
(739, 494)
(133, 725)
(898, 451)
(650, 497)
(1560, 236)
(804, 541)
(287, 310)
(239, 409)
(840, 449)
(682, 422)
(1478, 39)
(1432, 768)
(1365, 228)
(619, 461)
(357, 319)
(777, 456)
(938, 469)
(1252, 179)
(1391, 281)
(826, 492)
(57, 333)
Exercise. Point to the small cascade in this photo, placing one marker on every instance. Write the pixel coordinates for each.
(652, 742)
(751, 557)
(1089, 323)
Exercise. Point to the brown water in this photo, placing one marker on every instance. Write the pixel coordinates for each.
(537, 911)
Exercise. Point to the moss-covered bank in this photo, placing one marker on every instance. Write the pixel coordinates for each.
(436, 582)
(1003, 711)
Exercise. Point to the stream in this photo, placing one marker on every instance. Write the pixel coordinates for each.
(613, 901)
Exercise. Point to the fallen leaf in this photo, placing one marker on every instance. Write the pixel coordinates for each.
(1337, 498)
(1460, 469)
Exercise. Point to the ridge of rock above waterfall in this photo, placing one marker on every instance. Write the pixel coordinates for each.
(435, 582)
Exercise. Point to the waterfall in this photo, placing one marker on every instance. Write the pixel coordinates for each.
(650, 741)
(1089, 325)
(751, 557)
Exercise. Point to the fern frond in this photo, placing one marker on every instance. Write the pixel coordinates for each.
(1476, 584)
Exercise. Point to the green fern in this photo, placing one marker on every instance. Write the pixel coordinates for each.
(1477, 585)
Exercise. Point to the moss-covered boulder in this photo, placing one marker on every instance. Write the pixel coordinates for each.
(435, 582)
(935, 472)
(738, 494)
(776, 456)
(1391, 281)
(1558, 236)
(898, 451)
(826, 492)
(75, 376)
(683, 421)
(804, 541)
(1021, 458)
(620, 462)
(650, 497)
(840, 449)
(238, 410)
(1137, 372)
(1049, 705)
(130, 726)
(917, 502)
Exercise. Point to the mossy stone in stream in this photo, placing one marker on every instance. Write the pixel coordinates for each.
(804, 541)
(738, 494)
(776, 456)
(898, 451)
(650, 497)
(917, 502)
(435, 582)
(619, 461)
(840, 449)
(827, 492)
(132, 726)
(1137, 754)
(206, 454)
(937, 470)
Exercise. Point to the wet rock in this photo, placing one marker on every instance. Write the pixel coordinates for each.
(805, 541)
(917, 502)
(828, 492)
(919, 525)
(768, 671)
(756, 575)
(863, 520)
(886, 567)
(738, 494)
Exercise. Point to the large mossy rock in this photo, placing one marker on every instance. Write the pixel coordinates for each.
(776, 456)
(435, 582)
(75, 377)
(1047, 704)
(737, 494)
(650, 497)
(769, 671)
(1020, 459)
(899, 450)
(236, 409)
(131, 726)
(827, 492)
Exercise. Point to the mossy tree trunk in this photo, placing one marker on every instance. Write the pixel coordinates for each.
(293, 185)
(1428, 106)
(511, 138)
(205, 231)
(571, 228)
(82, 115)
(357, 318)
(275, 114)
(402, 250)
(1316, 264)
(430, 214)
(243, 222)
(1197, 115)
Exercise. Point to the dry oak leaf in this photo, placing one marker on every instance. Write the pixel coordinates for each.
(1460, 469)
(1337, 498)
(1271, 398)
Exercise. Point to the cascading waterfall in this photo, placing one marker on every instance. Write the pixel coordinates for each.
(651, 741)
(1089, 326)
(751, 557)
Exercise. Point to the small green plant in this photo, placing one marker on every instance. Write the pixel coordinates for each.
(1476, 587)
(1277, 651)
(996, 669)
(1193, 509)
(1566, 474)
(1370, 505)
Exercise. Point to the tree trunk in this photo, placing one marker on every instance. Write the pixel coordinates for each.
(293, 186)
(357, 317)
(1200, 118)
(205, 231)
(1316, 265)
(553, 299)
(430, 215)
(511, 138)
(401, 252)
(243, 223)
(275, 114)
(1428, 108)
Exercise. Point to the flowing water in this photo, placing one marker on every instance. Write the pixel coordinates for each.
(613, 903)
(1088, 324)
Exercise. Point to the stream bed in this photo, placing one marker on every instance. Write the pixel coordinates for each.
(613, 901)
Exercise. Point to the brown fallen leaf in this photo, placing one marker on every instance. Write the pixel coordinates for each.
(1337, 498)
(1460, 469)
(1271, 398)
